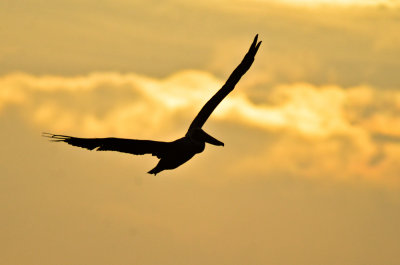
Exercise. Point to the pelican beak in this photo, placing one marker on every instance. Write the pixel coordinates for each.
(203, 136)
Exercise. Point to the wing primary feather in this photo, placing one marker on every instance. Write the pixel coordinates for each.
(229, 85)
(131, 146)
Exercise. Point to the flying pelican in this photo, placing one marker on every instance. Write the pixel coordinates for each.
(175, 153)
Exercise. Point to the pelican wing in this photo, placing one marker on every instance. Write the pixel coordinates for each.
(230, 84)
(131, 146)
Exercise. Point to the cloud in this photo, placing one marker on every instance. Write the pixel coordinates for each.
(84, 101)
(101, 103)
(339, 2)
(317, 130)
(344, 46)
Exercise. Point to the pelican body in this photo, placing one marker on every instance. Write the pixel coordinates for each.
(175, 153)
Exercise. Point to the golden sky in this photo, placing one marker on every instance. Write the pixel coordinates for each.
(310, 170)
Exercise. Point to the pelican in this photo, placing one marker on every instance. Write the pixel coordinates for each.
(175, 153)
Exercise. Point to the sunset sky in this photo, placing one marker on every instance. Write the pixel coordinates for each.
(310, 170)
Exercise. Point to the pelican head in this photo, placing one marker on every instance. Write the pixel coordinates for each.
(198, 135)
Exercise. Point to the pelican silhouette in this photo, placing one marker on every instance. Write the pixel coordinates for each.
(175, 153)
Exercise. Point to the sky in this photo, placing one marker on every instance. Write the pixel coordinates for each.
(310, 170)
